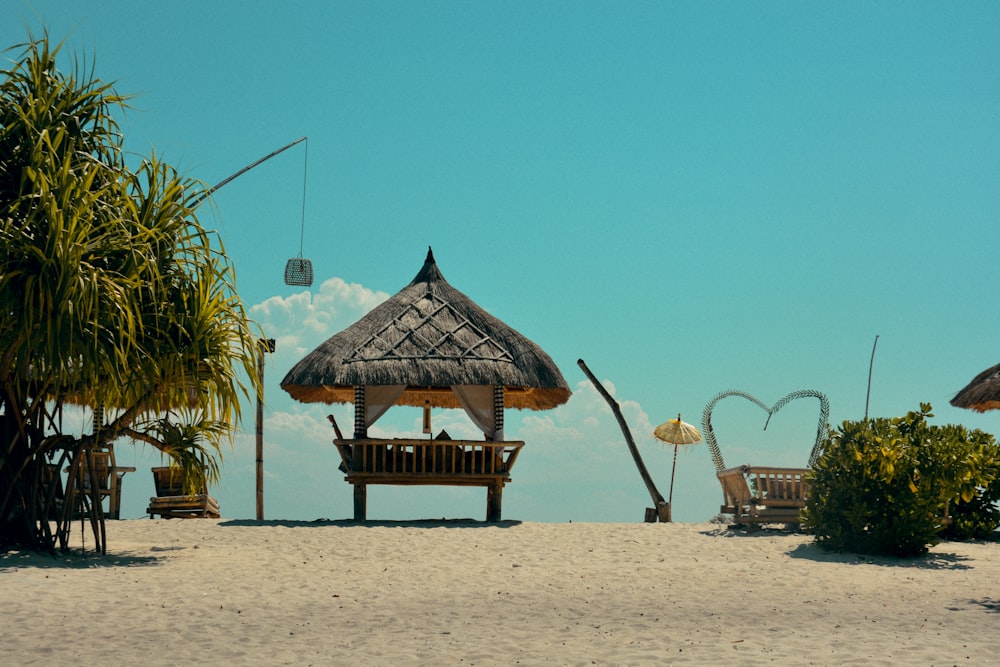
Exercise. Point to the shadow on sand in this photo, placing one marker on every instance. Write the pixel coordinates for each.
(71, 560)
(929, 561)
(349, 523)
(812, 551)
(988, 604)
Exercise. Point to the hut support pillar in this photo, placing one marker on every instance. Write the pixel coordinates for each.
(360, 423)
(494, 502)
(498, 412)
(360, 502)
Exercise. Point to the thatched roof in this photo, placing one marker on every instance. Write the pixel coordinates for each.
(982, 394)
(429, 337)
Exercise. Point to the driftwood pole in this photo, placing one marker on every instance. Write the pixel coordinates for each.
(266, 345)
(662, 509)
(871, 365)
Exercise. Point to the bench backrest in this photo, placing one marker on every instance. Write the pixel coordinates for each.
(779, 485)
(420, 457)
(169, 481)
(764, 485)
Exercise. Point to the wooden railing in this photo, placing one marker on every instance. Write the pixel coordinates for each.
(445, 462)
(432, 458)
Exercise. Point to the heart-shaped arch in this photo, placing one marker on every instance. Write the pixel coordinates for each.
(821, 427)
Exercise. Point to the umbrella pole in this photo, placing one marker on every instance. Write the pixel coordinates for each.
(670, 496)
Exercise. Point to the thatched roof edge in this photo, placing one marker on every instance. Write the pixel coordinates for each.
(982, 393)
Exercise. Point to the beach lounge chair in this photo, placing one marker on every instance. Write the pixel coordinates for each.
(756, 495)
(171, 502)
(106, 475)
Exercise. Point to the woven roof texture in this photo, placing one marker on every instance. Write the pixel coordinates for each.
(428, 336)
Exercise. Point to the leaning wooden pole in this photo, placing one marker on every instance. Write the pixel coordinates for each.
(662, 509)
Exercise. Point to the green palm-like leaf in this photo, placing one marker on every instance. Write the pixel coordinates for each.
(112, 294)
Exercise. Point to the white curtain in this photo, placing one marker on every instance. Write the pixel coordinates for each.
(478, 404)
(379, 398)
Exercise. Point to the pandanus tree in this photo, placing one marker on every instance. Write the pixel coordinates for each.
(113, 298)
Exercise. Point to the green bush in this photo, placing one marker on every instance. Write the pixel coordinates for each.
(978, 518)
(884, 486)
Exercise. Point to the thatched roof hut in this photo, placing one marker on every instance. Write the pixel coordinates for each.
(427, 340)
(429, 346)
(982, 394)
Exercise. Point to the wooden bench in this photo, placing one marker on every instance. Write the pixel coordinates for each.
(756, 495)
(171, 502)
(442, 462)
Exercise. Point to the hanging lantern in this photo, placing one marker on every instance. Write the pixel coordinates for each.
(299, 272)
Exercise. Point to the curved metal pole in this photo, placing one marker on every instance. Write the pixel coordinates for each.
(211, 190)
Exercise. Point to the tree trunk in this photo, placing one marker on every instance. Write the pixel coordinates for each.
(35, 510)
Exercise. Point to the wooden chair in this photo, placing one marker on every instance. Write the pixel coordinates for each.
(52, 490)
(756, 495)
(108, 478)
(171, 502)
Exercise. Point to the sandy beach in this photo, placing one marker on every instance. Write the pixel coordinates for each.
(464, 592)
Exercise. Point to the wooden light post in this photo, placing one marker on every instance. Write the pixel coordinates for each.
(266, 345)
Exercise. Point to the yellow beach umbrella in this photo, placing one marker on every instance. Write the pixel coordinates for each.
(675, 432)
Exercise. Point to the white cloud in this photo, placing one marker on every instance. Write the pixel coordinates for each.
(302, 321)
(587, 417)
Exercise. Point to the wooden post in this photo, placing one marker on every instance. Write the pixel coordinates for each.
(360, 501)
(494, 501)
(265, 346)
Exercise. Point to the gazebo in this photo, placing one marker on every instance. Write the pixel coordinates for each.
(429, 346)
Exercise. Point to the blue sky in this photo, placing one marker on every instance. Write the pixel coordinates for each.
(692, 197)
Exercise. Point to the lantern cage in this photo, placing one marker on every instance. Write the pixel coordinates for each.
(299, 272)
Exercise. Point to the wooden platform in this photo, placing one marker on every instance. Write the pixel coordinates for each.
(171, 502)
(440, 462)
(198, 506)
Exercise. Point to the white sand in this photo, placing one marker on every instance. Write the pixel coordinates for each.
(242, 592)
